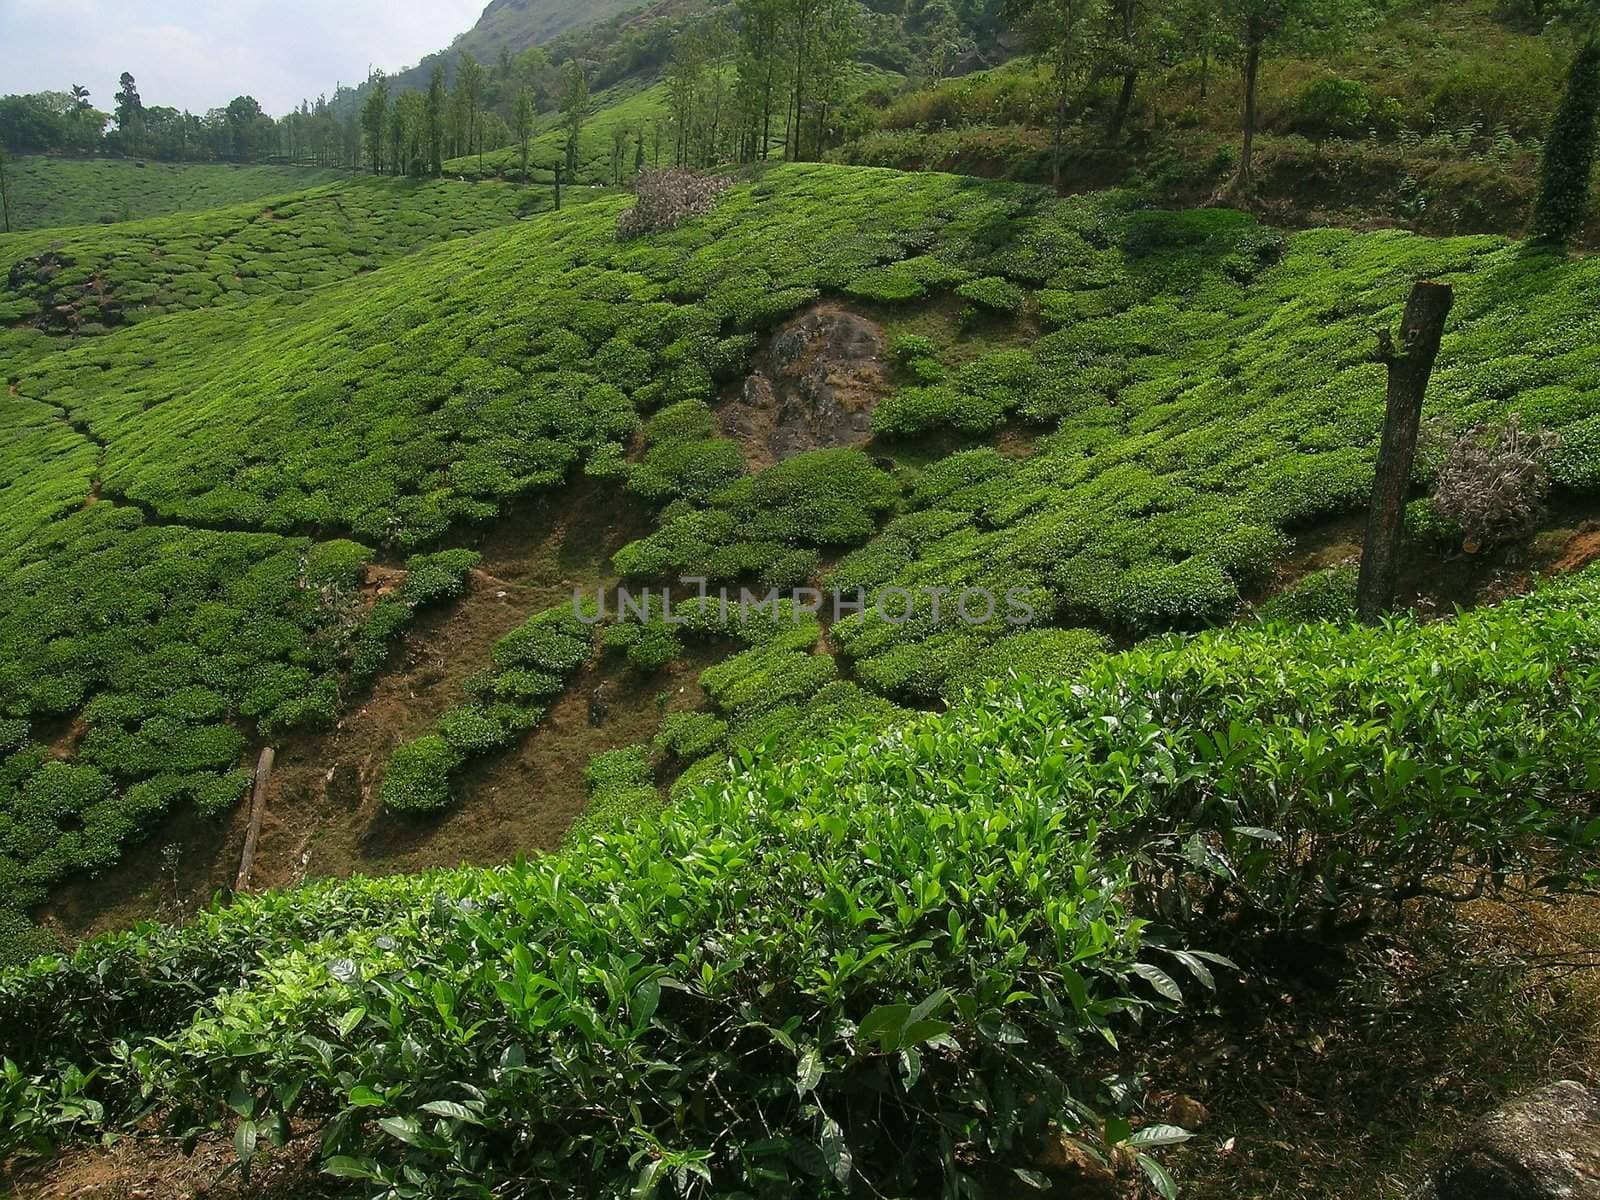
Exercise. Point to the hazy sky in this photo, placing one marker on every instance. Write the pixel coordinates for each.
(199, 54)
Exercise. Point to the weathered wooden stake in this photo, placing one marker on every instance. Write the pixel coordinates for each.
(558, 189)
(1410, 368)
(258, 809)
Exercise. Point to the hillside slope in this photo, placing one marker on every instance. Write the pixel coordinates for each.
(48, 192)
(1115, 412)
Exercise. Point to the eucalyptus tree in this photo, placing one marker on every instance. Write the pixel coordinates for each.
(524, 124)
(761, 73)
(574, 109)
(469, 85)
(1060, 36)
(374, 120)
(434, 120)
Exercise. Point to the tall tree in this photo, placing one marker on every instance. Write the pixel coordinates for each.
(686, 73)
(130, 113)
(1569, 152)
(5, 193)
(801, 18)
(1128, 33)
(469, 82)
(374, 120)
(837, 42)
(434, 117)
(243, 120)
(1262, 26)
(524, 125)
(574, 108)
(760, 68)
(1059, 35)
(619, 153)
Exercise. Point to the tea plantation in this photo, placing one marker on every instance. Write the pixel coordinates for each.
(196, 494)
(84, 280)
(48, 192)
(225, 427)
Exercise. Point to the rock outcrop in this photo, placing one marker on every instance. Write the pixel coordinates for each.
(1545, 1146)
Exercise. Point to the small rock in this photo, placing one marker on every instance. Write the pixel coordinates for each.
(1187, 1113)
(1545, 1146)
(1076, 1171)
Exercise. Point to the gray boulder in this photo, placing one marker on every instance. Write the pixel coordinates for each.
(1545, 1146)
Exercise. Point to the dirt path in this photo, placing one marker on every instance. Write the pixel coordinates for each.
(322, 815)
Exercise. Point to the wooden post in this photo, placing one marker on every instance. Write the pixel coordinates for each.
(1410, 368)
(258, 809)
(558, 188)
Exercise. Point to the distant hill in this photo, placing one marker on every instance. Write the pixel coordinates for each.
(513, 26)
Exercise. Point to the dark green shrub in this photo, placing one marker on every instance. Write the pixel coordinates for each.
(650, 646)
(1331, 108)
(1190, 593)
(1039, 654)
(692, 470)
(1564, 185)
(472, 730)
(993, 294)
(216, 797)
(690, 735)
(622, 791)
(1328, 595)
(418, 776)
(21, 941)
(434, 577)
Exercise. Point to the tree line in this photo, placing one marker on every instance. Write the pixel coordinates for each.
(68, 122)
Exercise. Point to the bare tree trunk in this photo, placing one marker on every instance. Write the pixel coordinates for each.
(1055, 145)
(1119, 115)
(1205, 69)
(558, 187)
(1410, 368)
(766, 116)
(1252, 71)
(258, 810)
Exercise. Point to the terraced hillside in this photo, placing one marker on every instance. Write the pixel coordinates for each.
(1112, 417)
(48, 192)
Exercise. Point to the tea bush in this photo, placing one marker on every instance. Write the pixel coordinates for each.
(418, 776)
(690, 735)
(1328, 595)
(621, 789)
(767, 526)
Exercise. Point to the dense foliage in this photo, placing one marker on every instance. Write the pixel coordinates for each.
(884, 962)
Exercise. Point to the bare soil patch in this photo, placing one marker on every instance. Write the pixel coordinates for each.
(322, 816)
(156, 1168)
